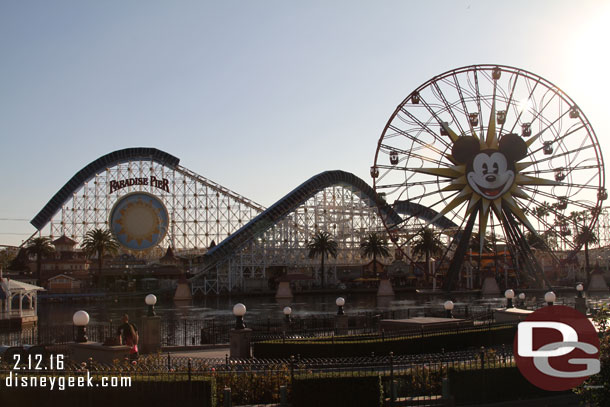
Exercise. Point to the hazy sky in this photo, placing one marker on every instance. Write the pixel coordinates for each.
(255, 95)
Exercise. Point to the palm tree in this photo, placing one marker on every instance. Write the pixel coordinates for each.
(427, 242)
(550, 238)
(542, 211)
(98, 242)
(585, 237)
(40, 247)
(374, 245)
(322, 245)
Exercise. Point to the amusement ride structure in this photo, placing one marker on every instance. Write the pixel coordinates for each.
(501, 152)
(480, 155)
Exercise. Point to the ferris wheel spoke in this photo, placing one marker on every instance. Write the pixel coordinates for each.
(478, 97)
(451, 134)
(566, 171)
(415, 183)
(424, 126)
(540, 133)
(556, 140)
(419, 156)
(540, 111)
(520, 111)
(420, 197)
(582, 187)
(564, 154)
(509, 101)
(449, 109)
(462, 99)
(576, 203)
(406, 134)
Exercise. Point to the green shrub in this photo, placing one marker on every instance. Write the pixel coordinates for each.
(252, 387)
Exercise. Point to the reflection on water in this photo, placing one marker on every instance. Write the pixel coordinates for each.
(258, 307)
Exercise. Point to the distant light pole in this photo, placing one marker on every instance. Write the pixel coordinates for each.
(340, 303)
(509, 294)
(239, 310)
(287, 312)
(550, 298)
(580, 303)
(448, 305)
(151, 300)
(80, 320)
(579, 289)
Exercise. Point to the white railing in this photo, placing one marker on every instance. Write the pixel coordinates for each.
(16, 313)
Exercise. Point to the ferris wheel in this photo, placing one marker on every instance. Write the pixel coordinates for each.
(490, 154)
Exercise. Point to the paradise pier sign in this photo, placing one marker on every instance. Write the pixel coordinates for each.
(162, 184)
(139, 220)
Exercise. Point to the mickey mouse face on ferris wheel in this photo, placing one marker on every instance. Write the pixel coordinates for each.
(489, 172)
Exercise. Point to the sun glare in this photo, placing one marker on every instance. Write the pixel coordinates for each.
(589, 59)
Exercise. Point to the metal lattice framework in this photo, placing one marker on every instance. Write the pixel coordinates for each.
(251, 240)
(336, 209)
(603, 228)
(201, 211)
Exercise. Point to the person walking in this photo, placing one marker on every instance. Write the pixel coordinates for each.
(128, 335)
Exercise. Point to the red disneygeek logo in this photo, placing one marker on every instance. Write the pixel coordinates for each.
(557, 348)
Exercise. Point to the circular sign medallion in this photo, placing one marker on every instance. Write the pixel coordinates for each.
(556, 348)
(139, 221)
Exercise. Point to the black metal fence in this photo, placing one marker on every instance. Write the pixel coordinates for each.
(406, 379)
(57, 334)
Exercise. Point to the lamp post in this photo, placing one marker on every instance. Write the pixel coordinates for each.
(579, 289)
(287, 312)
(580, 303)
(522, 299)
(151, 300)
(80, 320)
(340, 303)
(509, 294)
(239, 310)
(550, 298)
(240, 337)
(448, 305)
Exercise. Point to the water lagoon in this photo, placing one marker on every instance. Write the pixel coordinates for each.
(259, 308)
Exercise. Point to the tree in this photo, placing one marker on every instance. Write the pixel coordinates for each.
(427, 242)
(6, 258)
(475, 243)
(99, 242)
(40, 247)
(374, 245)
(322, 245)
(585, 237)
(535, 241)
(542, 211)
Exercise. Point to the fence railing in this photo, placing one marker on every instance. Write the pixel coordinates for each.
(17, 313)
(415, 378)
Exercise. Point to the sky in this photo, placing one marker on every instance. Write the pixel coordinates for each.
(257, 96)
